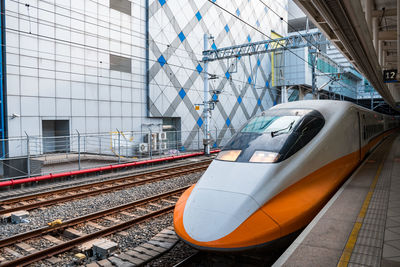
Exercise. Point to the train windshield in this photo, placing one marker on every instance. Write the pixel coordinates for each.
(271, 124)
(274, 136)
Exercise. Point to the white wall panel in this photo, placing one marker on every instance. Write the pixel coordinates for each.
(13, 85)
(92, 125)
(30, 125)
(47, 87)
(116, 109)
(47, 106)
(116, 92)
(63, 88)
(91, 91)
(29, 106)
(78, 107)
(78, 123)
(29, 86)
(63, 107)
(14, 105)
(104, 108)
(126, 109)
(104, 124)
(77, 90)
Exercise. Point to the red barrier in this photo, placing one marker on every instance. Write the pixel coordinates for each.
(97, 169)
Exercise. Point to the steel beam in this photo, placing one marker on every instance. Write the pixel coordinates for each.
(267, 46)
(387, 35)
(386, 12)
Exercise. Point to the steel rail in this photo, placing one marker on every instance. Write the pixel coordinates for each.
(98, 191)
(188, 259)
(77, 241)
(90, 185)
(44, 230)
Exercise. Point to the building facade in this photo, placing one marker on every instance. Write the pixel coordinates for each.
(100, 66)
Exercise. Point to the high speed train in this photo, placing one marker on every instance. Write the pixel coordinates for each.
(276, 173)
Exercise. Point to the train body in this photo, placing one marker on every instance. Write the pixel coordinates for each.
(276, 173)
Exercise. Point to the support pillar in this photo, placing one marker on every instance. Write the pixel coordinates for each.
(284, 97)
(368, 14)
(301, 93)
(375, 31)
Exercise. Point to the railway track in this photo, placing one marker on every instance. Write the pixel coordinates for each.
(53, 197)
(231, 259)
(103, 223)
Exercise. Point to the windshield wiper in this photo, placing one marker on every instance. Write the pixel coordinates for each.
(280, 131)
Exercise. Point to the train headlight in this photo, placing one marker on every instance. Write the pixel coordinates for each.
(264, 157)
(229, 155)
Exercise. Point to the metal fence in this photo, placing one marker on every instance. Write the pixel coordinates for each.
(40, 155)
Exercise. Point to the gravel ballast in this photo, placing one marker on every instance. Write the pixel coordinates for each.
(72, 209)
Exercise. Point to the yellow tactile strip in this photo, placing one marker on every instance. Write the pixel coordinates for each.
(351, 242)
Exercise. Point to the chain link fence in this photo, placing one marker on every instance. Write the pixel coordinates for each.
(39, 155)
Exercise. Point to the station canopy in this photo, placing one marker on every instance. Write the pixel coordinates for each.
(367, 32)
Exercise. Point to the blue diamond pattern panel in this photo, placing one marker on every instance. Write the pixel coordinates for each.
(175, 62)
(162, 60)
(198, 16)
(228, 122)
(200, 122)
(182, 93)
(226, 28)
(199, 68)
(181, 36)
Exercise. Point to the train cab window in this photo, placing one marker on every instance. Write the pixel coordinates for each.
(271, 124)
(275, 135)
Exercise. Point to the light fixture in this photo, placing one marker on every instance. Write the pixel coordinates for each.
(229, 155)
(15, 115)
(264, 157)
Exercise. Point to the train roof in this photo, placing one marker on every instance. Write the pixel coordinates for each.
(325, 107)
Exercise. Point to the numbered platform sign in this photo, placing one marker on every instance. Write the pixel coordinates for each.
(389, 76)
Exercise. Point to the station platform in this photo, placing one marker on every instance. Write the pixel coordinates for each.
(360, 225)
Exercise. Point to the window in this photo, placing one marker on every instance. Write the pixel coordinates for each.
(275, 135)
(119, 63)
(123, 6)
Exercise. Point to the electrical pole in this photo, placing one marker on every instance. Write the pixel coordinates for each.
(315, 92)
(206, 110)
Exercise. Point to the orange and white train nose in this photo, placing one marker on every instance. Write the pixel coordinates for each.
(232, 221)
(224, 209)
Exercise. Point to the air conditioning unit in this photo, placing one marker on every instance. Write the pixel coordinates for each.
(163, 146)
(143, 147)
(162, 136)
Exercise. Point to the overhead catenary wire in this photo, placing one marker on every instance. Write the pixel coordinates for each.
(264, 34)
